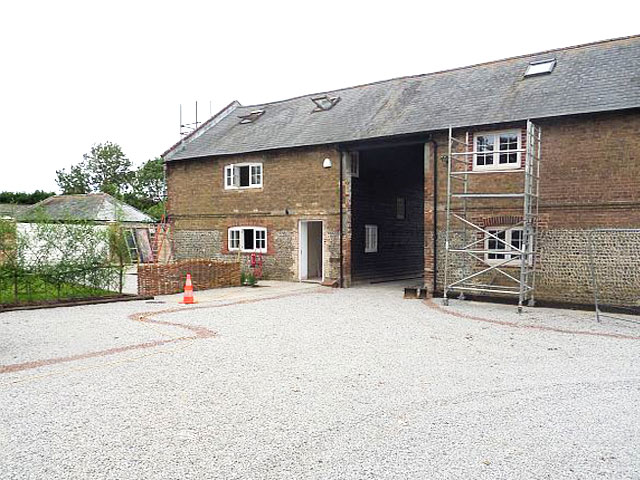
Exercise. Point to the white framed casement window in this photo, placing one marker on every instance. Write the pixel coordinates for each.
(354, 164)
(248, 239)
(497, 150)
(243, 175)
(501, 252)
(370, 238)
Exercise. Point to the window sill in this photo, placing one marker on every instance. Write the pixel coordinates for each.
(243, 188)
(498, 167)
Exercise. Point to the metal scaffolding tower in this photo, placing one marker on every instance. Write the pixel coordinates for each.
(471, 256)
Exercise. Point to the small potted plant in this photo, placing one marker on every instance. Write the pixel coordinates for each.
(249, 280)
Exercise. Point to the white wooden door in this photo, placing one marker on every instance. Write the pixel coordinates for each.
(303, 246)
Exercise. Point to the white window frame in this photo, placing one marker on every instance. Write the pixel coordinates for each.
(496, 151)
(354, 164)
(241, 248)
(370, 238)
(232, 177)
(514, 260)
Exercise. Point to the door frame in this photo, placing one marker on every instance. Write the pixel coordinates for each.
(306, 221)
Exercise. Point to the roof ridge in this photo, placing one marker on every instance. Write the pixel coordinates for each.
(421, 75)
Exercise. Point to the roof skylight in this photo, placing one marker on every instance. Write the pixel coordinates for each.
(251, 116)
(540, 67)
(324, 103)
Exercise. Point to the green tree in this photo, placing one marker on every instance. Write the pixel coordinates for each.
(75, 181)
(24, 198)
(104, 169)
(148, 181)
(107, 169)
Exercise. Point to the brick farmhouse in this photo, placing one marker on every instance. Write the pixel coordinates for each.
(351, 185)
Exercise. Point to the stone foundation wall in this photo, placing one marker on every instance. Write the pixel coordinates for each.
(159, 279)
(190, 244)
(564, 268)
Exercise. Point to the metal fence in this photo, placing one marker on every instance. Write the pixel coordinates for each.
(20, 287)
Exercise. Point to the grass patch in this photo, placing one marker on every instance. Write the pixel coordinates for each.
(34, 288)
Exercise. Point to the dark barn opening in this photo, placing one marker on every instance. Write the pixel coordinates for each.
(388, 214)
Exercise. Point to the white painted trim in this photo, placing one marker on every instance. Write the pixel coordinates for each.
(242, 249)
(496, 153)
(371, 227)
(300, 222)
(243, 164)
(354, 164)
(493, 261)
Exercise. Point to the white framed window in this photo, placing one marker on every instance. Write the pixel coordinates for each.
(234, 238)
(248, 239)
(370, 238)
(497, 150)
(354, 164)
(243, 175)
(401, 208)
(513, 237)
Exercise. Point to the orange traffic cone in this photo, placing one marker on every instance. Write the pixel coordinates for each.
(188, 292)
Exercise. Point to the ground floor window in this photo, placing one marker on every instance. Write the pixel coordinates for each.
(370, 238)
(248, 239)
(513, 241)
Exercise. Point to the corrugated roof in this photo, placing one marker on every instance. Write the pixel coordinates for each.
(597, 77)
(97, 207)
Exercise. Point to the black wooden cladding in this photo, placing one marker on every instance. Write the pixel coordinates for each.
(385, 175)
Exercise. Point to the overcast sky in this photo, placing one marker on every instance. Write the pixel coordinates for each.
(78, 73)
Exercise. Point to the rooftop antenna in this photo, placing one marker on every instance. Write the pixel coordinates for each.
(187, 128)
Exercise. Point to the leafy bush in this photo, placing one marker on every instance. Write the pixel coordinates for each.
(248, 279)
(44, 260)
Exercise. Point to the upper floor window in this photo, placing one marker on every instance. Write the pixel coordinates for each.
(248, 239)
(243, 175)
(497, 151)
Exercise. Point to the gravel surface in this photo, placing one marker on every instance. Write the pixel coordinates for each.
(348, 384)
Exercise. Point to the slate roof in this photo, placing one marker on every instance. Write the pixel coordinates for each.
(596, 77)
(12, 210)
(97, 207)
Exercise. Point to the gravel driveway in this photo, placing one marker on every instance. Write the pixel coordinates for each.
(296, 381)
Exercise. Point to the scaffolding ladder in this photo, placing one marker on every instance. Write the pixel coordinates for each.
(472, 255)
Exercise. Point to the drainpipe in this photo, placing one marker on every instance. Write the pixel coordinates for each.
(435, 214)
(341, 280)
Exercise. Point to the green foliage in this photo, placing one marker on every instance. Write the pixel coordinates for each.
(118, 245)
(106, 169)
(75, 181)
(148, 181)
(248, 279)
(156, 211)
(8, 244)
(23, 198)
(42, 258)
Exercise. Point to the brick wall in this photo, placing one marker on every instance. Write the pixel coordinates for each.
(590, 178)
(295, 187)
(165, 279)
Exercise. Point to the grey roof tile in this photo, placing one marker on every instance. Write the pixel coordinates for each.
(603, 76)
(95, 207)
